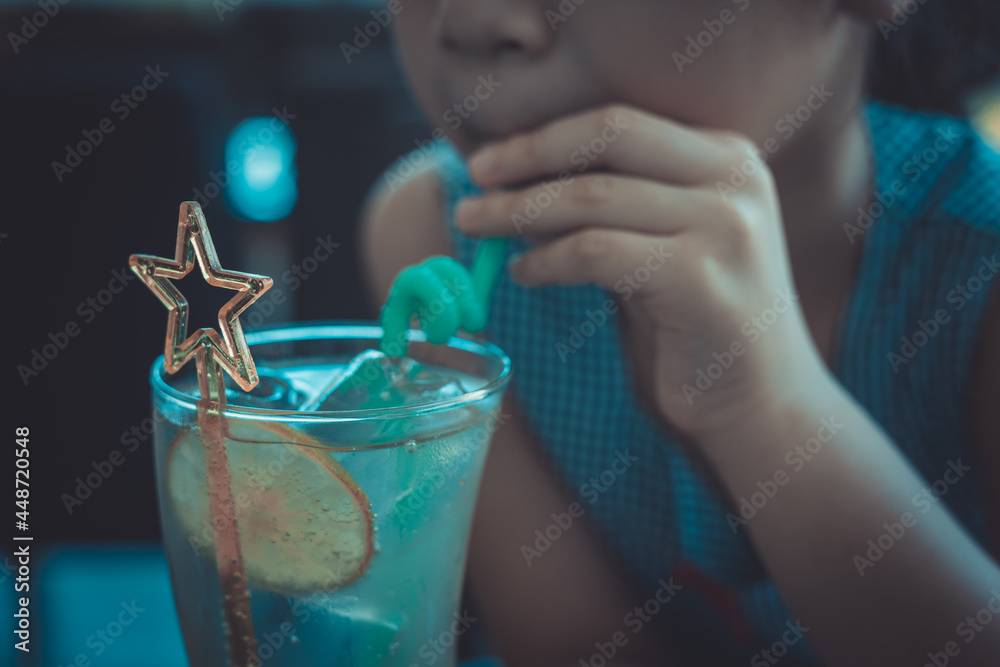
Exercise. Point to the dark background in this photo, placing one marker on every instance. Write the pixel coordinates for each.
(65, 240)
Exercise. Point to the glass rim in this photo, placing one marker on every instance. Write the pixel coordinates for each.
(344, 330)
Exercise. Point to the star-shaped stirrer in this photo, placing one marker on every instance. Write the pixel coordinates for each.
(212, 353)
(228, 350)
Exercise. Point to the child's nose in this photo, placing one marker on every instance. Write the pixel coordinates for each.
(495, 29)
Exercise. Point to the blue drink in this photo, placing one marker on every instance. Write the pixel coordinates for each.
(353, 525)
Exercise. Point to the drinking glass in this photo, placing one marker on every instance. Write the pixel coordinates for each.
(353, 525)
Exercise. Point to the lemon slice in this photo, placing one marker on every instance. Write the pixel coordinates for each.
(305, 525)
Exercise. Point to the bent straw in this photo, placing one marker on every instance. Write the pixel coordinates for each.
(444, 295)
(490, 255)
(213, 354)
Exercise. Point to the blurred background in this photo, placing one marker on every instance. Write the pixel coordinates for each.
(113, 113)
(267, 74)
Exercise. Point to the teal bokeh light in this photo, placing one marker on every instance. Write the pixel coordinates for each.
(260, 155)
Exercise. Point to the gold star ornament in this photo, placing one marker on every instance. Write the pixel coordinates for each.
(229, 350)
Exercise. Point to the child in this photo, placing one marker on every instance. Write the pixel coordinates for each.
(751, 316)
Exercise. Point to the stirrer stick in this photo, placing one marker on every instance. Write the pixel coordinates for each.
(213, 354)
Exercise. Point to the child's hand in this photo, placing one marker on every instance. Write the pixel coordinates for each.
(639, 210)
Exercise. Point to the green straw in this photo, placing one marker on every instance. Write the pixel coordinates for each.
(443, 295)
(490, 256)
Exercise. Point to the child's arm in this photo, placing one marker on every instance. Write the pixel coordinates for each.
(551, 613)
(909, 595)
(704, 259)
(572, 596)
(920, 595)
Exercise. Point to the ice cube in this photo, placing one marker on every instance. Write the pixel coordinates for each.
(273, 392)
(374, 380)
(328, 629)
(355, 639)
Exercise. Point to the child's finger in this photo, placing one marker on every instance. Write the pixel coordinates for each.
(591, 200)
(616, 138)
(599, 256)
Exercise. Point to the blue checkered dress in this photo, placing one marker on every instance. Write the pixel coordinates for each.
(664, 518)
